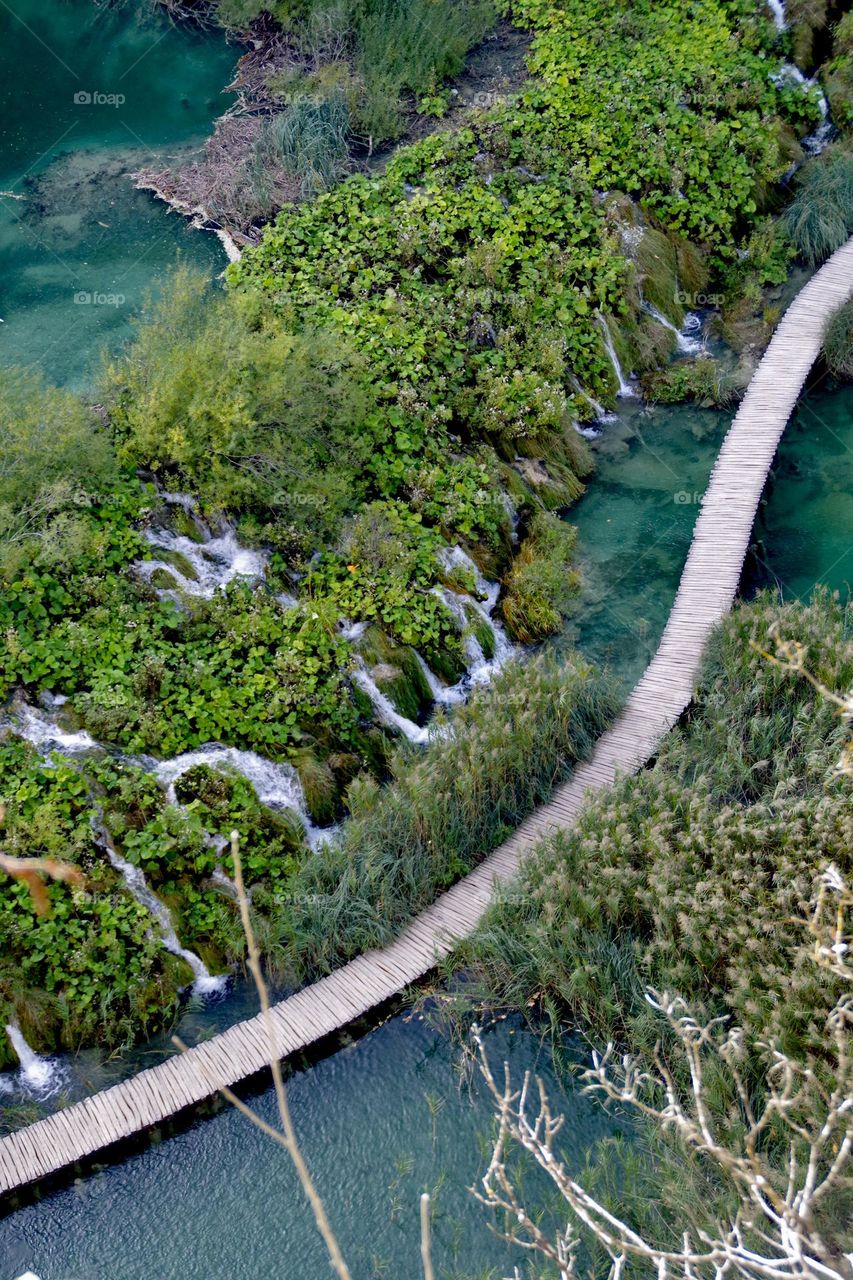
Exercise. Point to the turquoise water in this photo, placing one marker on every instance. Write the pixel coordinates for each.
(88, 94)
(634, 528)
(380, 1121)
(805, 527)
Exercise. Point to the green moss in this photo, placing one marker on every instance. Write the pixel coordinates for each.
(657, 274)
(397, 672)
(162, 580)
(180, 562)
(320, 786)
(481, 631)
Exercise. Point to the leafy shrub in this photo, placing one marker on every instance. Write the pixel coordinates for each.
(218, 399)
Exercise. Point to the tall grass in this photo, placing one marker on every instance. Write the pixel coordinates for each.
(308, 140)
(690, 876)
(445, 809)
(820, 217)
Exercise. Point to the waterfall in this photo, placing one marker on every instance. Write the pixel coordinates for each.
(38, 1077)
(687, 345)
(815, 142)
(385, 711)
(215, 562)
(276, 784)
(626, 391)
(777, 8)
(138, 887)
(601, 414)
(41, 729)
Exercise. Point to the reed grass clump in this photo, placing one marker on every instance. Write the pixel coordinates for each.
(691, 876)
(445, 808)
(819, 219)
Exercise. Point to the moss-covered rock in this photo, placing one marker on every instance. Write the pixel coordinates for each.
(482, 631)
(542, 586)
(397, 672)
(319, 785)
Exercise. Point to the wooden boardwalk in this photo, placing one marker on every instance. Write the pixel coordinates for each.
(707, 588)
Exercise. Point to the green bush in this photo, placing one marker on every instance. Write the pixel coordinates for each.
(218, 399)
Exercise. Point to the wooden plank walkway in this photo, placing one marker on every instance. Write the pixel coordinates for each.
(708, 584)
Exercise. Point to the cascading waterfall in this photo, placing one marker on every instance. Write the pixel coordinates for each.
(791, 75)
(276, 784)
(687, 344)
(626, 391)
(40, 727)
(777, 8)
(215, 562)
(601, 414)
(386, 712)
(38, 1077)
(205, 983)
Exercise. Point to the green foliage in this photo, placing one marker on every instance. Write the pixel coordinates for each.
(57, 463)
(542, 586)
(384, 574)
(104, 976)
(218, 398)
(444, 809)
(701, 380)
(688, 877)
(669, 102)
(819, 219)
(838, 343)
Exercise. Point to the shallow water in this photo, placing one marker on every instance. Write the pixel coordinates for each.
(634, 528)
(805, 526)
(82, 246)
(380, 1121)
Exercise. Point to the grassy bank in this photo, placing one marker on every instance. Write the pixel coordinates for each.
(686, 876)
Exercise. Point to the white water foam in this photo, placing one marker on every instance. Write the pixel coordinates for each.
(276, 784)
(205, 983)
(626, 391)
(386, 712)
(777, 8)
(40, 728)
(216, 562)
(38, 1077)
(688, 345)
